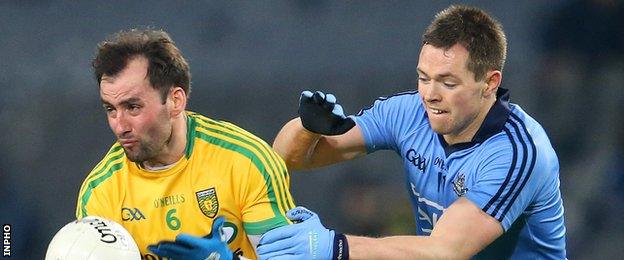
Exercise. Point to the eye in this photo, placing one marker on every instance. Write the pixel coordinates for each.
(450, 85)
(134, 109)
(109, 109)
(423, 80)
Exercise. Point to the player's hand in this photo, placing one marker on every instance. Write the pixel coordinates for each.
(321, 114)
(307, 239)
(189, 247)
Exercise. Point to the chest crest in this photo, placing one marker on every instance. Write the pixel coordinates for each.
(208, 202)
(459, 185)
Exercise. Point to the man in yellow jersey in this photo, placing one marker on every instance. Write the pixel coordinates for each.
(172, 172)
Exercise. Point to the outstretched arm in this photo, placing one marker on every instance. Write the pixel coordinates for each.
(462, 231)
(302, 149)
(322, 135)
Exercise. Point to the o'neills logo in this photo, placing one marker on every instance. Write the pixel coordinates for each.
(208, 202)
(169, 200)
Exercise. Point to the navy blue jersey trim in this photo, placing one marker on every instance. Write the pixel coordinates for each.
(519, 175)
(523, 173)
(495, 119)
(509, 173)
(449, 149)
(382, 98)
(533, 159)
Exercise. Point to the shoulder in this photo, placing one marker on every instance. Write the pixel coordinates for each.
(403, 100)
(521, 144)
(532, 132)
(222, 133)
(397, 113)
(104, 180)
(526, 130)
(113, 161)
(225, 136)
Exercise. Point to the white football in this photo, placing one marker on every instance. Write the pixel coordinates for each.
(92, 238)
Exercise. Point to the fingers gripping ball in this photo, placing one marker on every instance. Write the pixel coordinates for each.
(320, 114)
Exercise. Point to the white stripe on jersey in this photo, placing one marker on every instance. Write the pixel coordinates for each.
(428, 202)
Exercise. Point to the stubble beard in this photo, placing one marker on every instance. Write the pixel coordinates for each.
(144, 152)
(441, 128)
(148, 150)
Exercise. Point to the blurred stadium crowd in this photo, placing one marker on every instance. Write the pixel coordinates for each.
(250, 60)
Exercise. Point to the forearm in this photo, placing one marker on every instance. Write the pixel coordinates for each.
(296, 145)
(462, 232)
(302, 149)
(401, 247)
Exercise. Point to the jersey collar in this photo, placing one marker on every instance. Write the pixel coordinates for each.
(493, 123)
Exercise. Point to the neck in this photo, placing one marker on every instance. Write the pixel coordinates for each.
(175, 147)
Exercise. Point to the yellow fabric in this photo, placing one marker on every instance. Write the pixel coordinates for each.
(226, 171)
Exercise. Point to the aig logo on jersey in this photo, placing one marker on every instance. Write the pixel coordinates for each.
(208, 202)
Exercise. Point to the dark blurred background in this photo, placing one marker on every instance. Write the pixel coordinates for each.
(251, 59)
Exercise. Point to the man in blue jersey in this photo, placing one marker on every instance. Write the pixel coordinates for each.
(482, 174)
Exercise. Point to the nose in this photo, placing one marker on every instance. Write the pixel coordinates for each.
(120, 124)
(430, 92)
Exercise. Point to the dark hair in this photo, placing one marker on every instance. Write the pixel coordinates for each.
(167, 67)
(474, 29)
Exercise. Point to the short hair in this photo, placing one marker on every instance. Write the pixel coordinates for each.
(476, 30)
(167, 67)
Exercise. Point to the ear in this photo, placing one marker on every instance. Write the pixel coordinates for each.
(177, 96)
(492, 81)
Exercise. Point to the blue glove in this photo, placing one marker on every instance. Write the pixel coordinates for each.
(320, 114)
(307, 239)
(189, 247)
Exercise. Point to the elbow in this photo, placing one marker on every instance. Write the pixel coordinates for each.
(292, 161)
(295, 145)
(279, 149)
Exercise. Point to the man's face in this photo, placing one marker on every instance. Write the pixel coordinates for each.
(450, 94)
(135, 112)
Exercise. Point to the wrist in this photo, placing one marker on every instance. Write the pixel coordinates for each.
(341, 247)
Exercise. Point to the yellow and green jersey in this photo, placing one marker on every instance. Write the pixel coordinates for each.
(226, 171)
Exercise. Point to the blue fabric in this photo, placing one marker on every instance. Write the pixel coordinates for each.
(509, 170)
(190, 247)
(306, 239)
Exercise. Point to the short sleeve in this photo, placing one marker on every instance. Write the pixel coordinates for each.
(94, 198)
(265, 192)
(505, 182)
(92, 203)
(383, 123)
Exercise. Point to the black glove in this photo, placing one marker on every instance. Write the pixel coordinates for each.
(320, 114)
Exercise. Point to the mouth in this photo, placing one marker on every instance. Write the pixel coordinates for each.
(437, 111)
(127, 142)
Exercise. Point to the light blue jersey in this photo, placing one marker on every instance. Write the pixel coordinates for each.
(509, 170)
